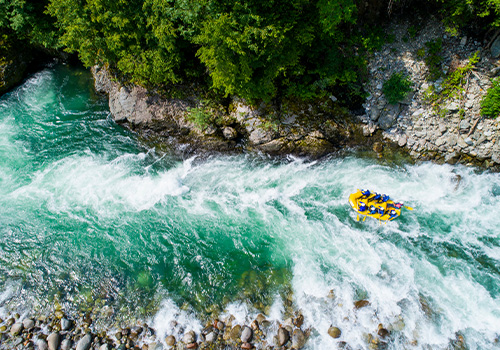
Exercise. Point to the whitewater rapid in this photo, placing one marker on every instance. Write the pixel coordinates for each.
(87, 210)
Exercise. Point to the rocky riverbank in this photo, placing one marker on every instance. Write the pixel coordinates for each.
(56, 330)
(449, 130)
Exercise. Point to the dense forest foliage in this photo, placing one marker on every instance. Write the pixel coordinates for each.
(255, 49)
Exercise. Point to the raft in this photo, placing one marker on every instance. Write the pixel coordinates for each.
(386, 210)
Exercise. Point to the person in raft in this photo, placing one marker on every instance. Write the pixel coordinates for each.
(395, 205)
(373, 210)
(376, 197)
(365, 193)
(380, 211)
(384, 198)
(393, 214)
(362, 206)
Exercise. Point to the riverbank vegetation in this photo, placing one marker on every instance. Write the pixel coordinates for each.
(253, 49)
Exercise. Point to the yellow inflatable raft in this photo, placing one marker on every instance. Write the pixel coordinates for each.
(375, 205)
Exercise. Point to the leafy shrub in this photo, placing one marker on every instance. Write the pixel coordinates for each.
(375, 39)
(396, 88)
(490, 105)
(433, 59)
(452, 87)
(200, 117)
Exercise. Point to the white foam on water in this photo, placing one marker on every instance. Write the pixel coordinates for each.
(462, 302)
(240, 311)
(106, 187)
(171, 320)
(38, 93)
(350, 261)
(9, 290)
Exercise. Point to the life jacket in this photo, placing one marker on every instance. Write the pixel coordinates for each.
(393, 213)
(398, 205)
(373, 210)
(362, 206)
(377, 196)
(380, 210)
(385, 198)
(365, 193)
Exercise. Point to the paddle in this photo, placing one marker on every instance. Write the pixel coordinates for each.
(357, 217)
(364, 218)
(409, 208)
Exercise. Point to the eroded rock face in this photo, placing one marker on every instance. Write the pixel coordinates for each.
(306, 130)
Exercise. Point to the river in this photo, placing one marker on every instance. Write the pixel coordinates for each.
(91, 217)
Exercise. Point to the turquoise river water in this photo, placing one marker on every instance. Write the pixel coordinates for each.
(90, 217)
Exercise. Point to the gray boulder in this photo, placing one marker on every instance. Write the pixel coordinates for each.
(389, 116)
(189, 337)
(298, 339)
(66, 344)
(246, 334)
(41, 344)
(84, 343)
(53, 340)
(155, 346)
(260, 136)
(28, 323)
(16, 329)
(495, 48)
(229, 133)
(65, 324)
(283, 336)
(210, 337)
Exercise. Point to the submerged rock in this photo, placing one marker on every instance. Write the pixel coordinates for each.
(378, 147)
(42, 345)
(298, 339)
(235, 332)
(211, 337)
(361, 303)
(334, 332)
(382, 332)
(170, 340)
(66, 344)
(16, 329)
(65, 324)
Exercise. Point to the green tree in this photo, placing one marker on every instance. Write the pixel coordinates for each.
(462, 12)
(26, 20)
(253, 47)
(130, 35)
